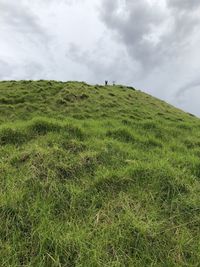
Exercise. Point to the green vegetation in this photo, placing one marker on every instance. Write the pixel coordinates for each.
(94, 176)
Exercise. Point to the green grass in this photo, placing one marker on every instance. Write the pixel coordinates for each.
(94, 176)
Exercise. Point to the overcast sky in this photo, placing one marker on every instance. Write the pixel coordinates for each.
(152, 45)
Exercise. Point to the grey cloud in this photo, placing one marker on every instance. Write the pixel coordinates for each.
(134, 27)
(151, 34)
(187, 87)
(184, 4)
(30, 40)
(19, 18)
(67, 2)
(101, 65)
(85, 57)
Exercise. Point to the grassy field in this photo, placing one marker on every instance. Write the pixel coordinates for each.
(94, 176)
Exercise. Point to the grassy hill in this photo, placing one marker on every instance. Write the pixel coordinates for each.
(94, 176)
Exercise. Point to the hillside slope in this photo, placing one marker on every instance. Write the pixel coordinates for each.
(96, 176)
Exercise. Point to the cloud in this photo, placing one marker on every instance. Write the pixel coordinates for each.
(24, 49)
(20, 19)
(187, 87)
(152, 33)
(5, 70)
(184, 4)
(105, 61)
(12, 71)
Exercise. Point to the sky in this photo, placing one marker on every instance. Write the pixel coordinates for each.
(152, 45)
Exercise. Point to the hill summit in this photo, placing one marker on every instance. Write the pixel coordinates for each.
(94, 176)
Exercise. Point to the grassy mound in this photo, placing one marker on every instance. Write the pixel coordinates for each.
(96, 176)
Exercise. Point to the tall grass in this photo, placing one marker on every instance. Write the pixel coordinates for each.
(88, 182)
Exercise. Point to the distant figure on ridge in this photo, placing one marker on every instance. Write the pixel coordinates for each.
(106, 83)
